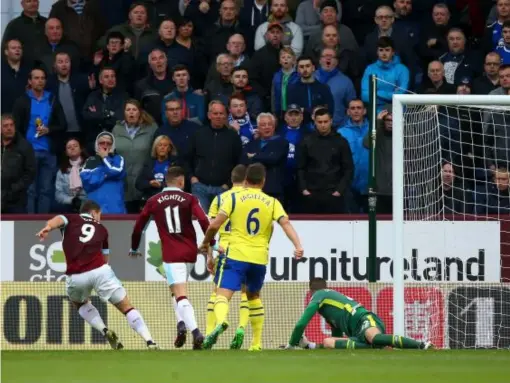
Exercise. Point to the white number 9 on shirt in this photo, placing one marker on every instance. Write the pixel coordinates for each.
(87, 232)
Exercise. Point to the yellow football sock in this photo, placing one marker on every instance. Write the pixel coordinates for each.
(244, 311)
(210, 321)
(221, 309)
(257, 321)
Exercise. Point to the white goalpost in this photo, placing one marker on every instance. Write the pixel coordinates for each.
(451, 159)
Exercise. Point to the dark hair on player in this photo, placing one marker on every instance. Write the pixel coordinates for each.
(173, 173)
(385, 42)
(255, 174)
(318, 284)
(238, 174)
(322, 112)
(89, 206)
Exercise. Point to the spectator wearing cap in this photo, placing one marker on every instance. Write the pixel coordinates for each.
(265, 63)
(150, 90)
(175, 126)
(354, 130)
(103, 107)
(435, 83)
(388, 68)
(308, 16)
(329, 16)
(270, 150)
(56, 42)
(503, 48)
(236, 48)
(39, 118)
(240, 120)
(294, 132)
(252, 14)
(325, 168)
(309, 92)
(489, 80)
(348, 61)
(433, 40)
(340, 85)
(138, 33)
(217, 36)
(203, 14)
(214, 151)
(282, 79)
(292, 34)
(18, 167)
(464, 86)
(192, 101)
(103, 175)
(27, 28)
(385, 27)
(15, 71)
(83, 22)
(459, 62)
(116, 56)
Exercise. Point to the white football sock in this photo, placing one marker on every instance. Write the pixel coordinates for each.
(138, 324)
(176, 309)
(187, 313)
(90, 314)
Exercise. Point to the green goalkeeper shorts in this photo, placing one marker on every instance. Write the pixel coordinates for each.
(367, 321)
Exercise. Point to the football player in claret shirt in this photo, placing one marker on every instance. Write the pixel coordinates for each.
(85, 245)
(347, 317)
(251, 213)
(173, 211)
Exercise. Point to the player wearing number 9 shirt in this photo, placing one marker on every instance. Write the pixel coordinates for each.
(251, 213)
(172, 211)
(85, 245)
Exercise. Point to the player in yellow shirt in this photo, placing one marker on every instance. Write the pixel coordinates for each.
(237, 177)
(251, 213)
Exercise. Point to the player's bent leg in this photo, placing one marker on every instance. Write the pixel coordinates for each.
(134, 318)
(378, 339)
(188, 314)
(345, 343)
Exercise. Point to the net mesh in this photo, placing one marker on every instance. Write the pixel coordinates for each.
(456, 162)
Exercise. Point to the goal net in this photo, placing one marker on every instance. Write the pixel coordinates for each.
(451, 188)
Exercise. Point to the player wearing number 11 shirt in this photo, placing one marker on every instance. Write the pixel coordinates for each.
(173, 211)
(85, 245)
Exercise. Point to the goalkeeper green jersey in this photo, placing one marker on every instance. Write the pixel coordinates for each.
(340, 312)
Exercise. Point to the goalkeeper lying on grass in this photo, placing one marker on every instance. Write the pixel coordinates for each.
(346, 316)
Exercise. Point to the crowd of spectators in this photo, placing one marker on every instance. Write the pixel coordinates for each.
(101, 97)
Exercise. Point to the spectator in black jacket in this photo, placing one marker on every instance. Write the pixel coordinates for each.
(271, 151)
(433, 41)
(489, 80)
(221, 85)
(18, 168)
(215, 150)
(252, 14)
(115, 56)
(15, 70)
(56, 42)
(203, 14)
(159, 10)
(39, 117)
(325, 167)
(435, 83)
(28, 28)
(103, 107)
(71, 88)
(150, 90)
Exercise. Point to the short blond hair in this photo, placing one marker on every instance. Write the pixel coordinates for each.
(156, 142)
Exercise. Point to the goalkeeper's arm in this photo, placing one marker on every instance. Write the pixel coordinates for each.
(300, 327)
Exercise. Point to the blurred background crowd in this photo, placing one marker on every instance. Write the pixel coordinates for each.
(101, 97)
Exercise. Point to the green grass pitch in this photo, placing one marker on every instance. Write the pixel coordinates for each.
(373, 366)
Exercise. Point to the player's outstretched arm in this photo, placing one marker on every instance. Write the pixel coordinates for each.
(300, 327)
(52, 224)
(291, 233)
(141, 223)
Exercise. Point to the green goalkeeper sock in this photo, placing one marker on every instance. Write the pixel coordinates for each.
(396, 341)
(350, 344)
